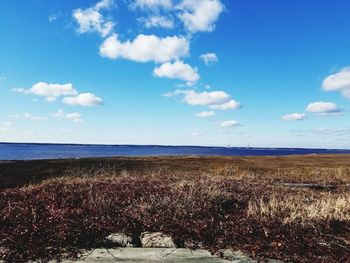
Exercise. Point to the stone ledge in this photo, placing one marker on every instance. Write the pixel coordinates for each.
(167, 255)
(134, 255)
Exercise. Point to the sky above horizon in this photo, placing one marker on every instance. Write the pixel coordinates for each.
(265, 73)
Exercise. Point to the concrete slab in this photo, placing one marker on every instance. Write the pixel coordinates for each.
(133, 255)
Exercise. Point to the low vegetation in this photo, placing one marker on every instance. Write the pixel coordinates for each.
(254, 209)
(303, 207)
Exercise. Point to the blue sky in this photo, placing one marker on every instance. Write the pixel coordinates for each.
(182, 72)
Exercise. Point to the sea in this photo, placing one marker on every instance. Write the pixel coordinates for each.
(34, 151)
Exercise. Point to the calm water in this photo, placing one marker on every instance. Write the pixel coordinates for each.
(18, 151)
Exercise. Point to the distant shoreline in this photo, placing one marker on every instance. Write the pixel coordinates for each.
(40, 151)
(171, 145)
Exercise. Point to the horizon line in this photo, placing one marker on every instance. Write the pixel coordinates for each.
(173, 145)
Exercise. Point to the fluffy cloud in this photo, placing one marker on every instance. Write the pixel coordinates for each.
(153, 4)
(157, 21)
(323, 108)
(33, 117)
(339, 81)
(53, 91)
(215, 99)
(177, 70)
(199, 15)
(204, 98)
(209, 58)
(294, 117)
(74, 117)
(91, 19)
(50, 91)
(230, 105)
(83, 99)
(204, 114)
(228, 124)
(103, 4)
(196, 15)
(145, 48)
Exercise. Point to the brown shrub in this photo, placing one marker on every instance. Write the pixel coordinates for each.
(60, 216)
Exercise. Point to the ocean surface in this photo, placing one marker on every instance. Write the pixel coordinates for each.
(29, 151)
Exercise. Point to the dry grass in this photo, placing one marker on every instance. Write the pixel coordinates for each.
(333, 169)
(220, 205)
(302, 207)
(333, 175)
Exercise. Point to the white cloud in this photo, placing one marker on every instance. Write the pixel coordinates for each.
(74, 117)
(209, 58)
(53, 91)
(91, 19)
(14, 116)
(50, 91)
(157, 21)
(168, 94)
(294, 117)
(204, 98)
(153, 4)
(324, 131)
(54, 17)
(83, 99)
(2, 78)
(197, 134)
(332, 131)
(103, 4)
(63, 130)
(228, 124)
(230, 105)
(177, 70)
(59, 114)
(33, 117)
(50, 99)
(215, 99)
(21, 90)
(199, 15)
(145, 48)
(204, 114)
(66, 131)
(338, 81)
(323, 108)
